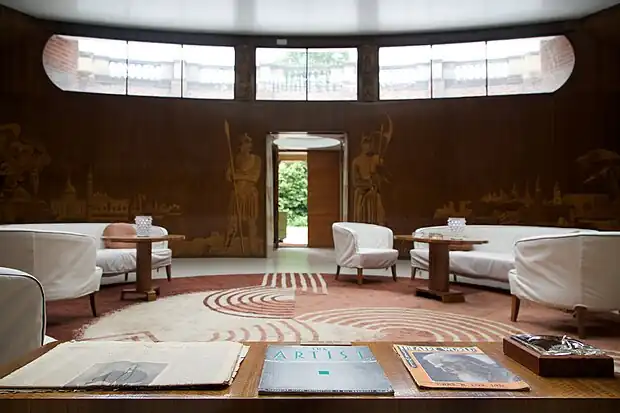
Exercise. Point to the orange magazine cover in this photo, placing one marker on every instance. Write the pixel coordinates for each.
(456, 368)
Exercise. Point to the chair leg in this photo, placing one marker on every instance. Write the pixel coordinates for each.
(394, 272)
(360, 276)
(126, 276)
(514, 311)
(581, 312)
(337, 271)
(93, 304)
(414, 270)
(454, 277)
(169, 272)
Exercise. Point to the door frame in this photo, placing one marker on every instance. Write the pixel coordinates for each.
(270, 183)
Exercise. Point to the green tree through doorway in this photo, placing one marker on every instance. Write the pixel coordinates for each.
(293, 192)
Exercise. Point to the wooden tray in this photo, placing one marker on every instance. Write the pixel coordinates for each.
(558, 366)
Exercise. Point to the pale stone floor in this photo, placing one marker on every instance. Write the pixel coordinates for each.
(296, 236)
(283, 260)
(287, 259)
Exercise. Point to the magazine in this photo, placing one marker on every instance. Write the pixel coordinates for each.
(322, 369)
(456, 368)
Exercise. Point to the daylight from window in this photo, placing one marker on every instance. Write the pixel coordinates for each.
(139, 68)
(503, 67)
(306, 74)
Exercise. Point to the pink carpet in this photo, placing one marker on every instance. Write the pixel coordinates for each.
(311, 307)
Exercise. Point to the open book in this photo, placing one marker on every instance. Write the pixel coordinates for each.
(130, 365)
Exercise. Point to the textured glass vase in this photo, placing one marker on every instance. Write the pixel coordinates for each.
(457, 226)
(143, 225)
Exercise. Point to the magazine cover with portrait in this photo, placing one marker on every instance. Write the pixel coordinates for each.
(457, 368)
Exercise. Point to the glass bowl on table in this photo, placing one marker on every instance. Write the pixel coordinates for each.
(143, 225)
(457, 227)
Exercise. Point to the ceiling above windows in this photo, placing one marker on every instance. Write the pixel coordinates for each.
(309, 17)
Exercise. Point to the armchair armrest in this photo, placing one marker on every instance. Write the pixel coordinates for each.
(22, 305)
(345, 243)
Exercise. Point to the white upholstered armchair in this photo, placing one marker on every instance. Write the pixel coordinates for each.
(364, 246)
(63, 262)
(575, 272)
(22, 305)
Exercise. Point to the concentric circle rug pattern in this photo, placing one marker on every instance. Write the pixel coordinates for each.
(310, 307)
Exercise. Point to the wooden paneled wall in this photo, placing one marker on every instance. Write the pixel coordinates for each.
(532, 159)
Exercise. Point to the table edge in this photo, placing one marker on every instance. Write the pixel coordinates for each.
(440, 240)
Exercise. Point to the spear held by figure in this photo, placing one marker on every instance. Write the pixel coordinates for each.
(234, 182)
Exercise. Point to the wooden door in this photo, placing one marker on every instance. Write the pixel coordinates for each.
(324, 169)
(276, 204)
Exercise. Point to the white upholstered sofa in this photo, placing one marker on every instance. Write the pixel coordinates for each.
(69, 259)
(578, 272)
(362, 246)
(22, 306)
(491, 261)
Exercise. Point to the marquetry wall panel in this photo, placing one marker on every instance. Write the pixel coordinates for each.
(530, 159)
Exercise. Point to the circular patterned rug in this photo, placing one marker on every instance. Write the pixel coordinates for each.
(268, 314)
(300, 307)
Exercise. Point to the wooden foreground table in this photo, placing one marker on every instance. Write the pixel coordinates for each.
(547, 395)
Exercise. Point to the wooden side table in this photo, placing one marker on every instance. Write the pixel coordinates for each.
(439, 267)
(144, 247)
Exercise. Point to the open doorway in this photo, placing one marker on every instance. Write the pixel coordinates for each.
(306, 184)
(292, 199)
